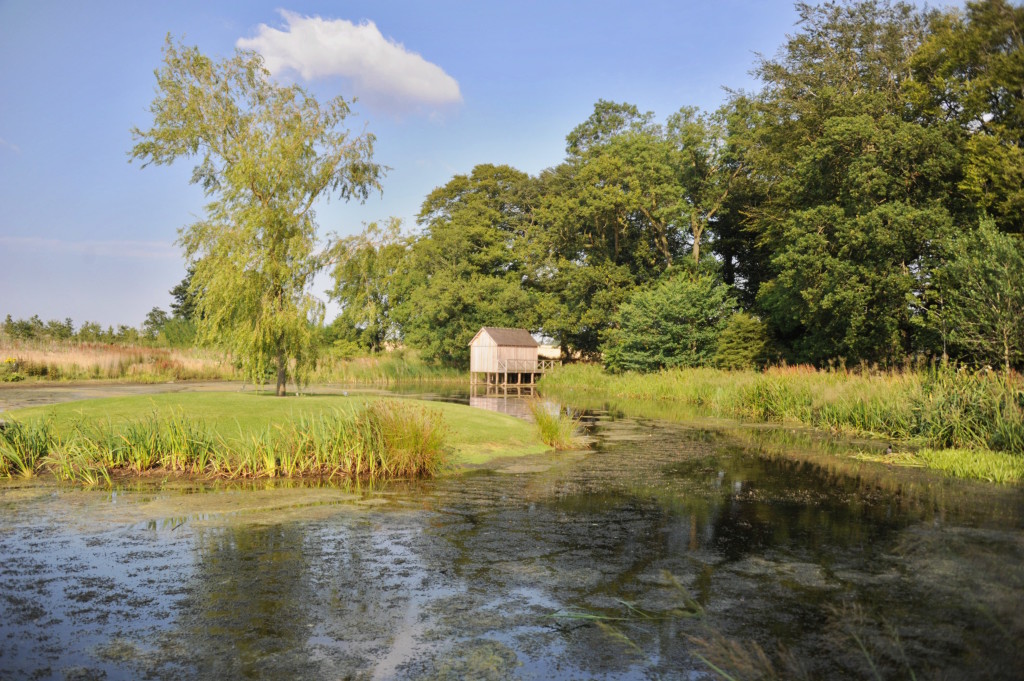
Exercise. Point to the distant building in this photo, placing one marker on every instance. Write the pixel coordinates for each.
(500, 356)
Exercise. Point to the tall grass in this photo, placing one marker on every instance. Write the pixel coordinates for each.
(390, 368)
(382, 440)
(557, 429)
(23, 447)
(67, 361)
(939, 407)
(51, 360)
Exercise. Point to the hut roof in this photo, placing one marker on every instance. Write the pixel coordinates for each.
(508, 337)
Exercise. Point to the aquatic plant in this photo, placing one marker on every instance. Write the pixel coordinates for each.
(23, 446)
(383, 439)
(557, 429)
(972, 464)
(938, 407)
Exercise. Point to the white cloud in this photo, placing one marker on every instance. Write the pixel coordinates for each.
(105, 249)
(9, 145)
(378, 68)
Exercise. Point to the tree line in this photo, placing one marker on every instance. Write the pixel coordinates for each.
(177, 329)
(865, 205)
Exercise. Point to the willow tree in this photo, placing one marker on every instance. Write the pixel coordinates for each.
(266, 154)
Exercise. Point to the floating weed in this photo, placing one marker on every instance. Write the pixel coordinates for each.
(977, 464)
(631, 613)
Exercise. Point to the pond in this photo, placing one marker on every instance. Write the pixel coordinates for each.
(666, 547)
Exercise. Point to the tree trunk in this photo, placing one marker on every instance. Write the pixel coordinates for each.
(282, 373)
(1006, 351)
(697, 229)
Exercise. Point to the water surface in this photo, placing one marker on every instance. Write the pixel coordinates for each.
(665, 544)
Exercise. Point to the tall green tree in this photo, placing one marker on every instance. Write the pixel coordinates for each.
(857, 188)
(982, 289)
(707, 169)
(266, 154)
(156, 320)
(970, 72)
(609, 220)
(365, 269)
(184, 305)
(742, 343)
(467, 268)
(629, 201)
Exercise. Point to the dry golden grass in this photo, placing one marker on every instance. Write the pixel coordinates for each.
(53, 360)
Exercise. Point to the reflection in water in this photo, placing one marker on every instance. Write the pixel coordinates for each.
(610, 564)
(250, 596)
(513, 405)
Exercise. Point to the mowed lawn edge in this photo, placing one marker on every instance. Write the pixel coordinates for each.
(475, 436)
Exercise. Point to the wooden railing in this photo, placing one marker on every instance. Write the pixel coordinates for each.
(522, 366)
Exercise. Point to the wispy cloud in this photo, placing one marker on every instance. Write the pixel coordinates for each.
(9, 145)
(150, 250)
(379, 69)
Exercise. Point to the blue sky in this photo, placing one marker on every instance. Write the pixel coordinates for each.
(84, 234)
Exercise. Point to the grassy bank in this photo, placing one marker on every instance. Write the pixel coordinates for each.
(236, 435)
(939, 409)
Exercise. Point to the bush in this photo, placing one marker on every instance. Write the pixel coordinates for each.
(743, 343)
(675, 324)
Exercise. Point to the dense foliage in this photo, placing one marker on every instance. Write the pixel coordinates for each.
(865, 205)
(675, 323)
(266, 153)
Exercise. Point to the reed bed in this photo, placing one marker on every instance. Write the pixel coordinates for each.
(67, 361)
(971, 464)
(391, 368)
(939, 407)
(381, 440)
(71, 361)
(557, 429)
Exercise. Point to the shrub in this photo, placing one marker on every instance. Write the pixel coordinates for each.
(742, 344)
(674, 324)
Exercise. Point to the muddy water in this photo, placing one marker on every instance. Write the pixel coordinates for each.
(665, 544)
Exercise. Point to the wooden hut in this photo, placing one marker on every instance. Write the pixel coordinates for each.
(499, 356)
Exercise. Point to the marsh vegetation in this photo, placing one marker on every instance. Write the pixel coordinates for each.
(969, 423)
(557, 425)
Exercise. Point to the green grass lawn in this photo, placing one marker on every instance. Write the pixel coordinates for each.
(475, 435)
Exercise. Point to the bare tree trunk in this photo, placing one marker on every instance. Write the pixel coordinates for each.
(282, 373)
